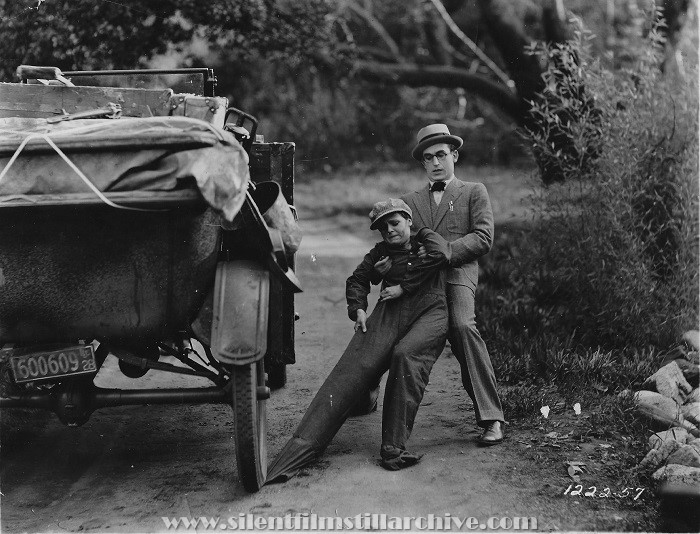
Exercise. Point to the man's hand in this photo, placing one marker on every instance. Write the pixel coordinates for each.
(422, 253)
(383, 265)
(361, 321)
(390, 293)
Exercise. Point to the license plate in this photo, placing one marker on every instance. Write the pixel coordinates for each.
(47, 365)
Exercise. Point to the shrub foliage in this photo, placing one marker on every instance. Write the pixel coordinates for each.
(614, 246)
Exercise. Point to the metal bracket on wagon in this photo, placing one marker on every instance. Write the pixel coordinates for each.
(240, 312)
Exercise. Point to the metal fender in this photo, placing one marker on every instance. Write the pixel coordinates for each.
(240, 312)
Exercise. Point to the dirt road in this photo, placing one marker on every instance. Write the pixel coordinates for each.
(129, 467)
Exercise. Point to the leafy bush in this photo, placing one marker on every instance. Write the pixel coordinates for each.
(613, 254)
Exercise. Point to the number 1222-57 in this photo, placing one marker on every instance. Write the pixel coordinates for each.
(578, 491)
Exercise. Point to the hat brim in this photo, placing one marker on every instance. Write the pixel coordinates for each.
(417, 151)
(373, 226)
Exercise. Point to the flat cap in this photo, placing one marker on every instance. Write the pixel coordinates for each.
(385, 207)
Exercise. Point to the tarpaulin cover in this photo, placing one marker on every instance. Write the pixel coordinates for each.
(120, 155)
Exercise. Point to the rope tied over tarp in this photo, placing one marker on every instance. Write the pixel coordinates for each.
(72, 165)
(180, 123)
(149, 153)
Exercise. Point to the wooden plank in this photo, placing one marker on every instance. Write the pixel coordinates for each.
(50, 100)
(4, 114)
(27, 98)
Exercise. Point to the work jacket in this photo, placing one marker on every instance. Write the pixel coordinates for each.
(409, 271)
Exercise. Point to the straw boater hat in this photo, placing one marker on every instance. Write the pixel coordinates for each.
(434, 134)
(385, 207)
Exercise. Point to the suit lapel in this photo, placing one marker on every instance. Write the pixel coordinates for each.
(423, 206)
(452, 192)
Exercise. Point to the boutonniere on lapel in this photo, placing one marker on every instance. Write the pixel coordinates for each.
(452, 206)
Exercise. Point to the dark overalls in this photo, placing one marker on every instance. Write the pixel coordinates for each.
(404, 336)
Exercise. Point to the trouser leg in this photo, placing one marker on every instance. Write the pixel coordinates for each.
(367, 401)
(361, 366)
(411, 362)
(470, 350)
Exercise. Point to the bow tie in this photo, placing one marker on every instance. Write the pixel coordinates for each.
(437, 186)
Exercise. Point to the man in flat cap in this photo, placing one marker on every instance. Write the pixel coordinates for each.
(404, 334)
(461, 213)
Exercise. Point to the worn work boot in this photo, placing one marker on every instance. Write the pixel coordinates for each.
(394, 459)
(493, 434)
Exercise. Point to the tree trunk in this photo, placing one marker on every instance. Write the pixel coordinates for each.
(508, 33)
(674, 13)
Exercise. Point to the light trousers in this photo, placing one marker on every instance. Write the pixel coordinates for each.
(470, 351)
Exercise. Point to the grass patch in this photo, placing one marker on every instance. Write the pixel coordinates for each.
(354, 190)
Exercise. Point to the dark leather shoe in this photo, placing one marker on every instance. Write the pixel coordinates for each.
(493, 434)
(403, 460)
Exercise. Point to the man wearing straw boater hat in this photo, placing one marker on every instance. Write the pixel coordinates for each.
(461, 213)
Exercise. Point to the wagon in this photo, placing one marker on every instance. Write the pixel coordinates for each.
(135, 220)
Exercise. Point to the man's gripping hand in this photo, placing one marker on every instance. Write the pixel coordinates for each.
(383, 265)
(390, 293)
(361, 321)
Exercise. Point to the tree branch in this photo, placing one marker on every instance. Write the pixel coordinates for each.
(440, 76)
(378, 28)
(472, 45)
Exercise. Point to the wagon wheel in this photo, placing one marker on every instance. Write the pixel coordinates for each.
(249, 395)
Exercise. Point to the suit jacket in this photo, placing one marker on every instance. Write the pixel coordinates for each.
(464, 218)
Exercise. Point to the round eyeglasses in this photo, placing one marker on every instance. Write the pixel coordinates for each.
(440, 155)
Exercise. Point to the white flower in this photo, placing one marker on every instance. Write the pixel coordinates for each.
(577, 408)
(544, 411)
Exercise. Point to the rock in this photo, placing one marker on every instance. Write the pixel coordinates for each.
(691, 412)
(690, 371)
(694, 396)
(675, 434)
(678, 352)
(677, 474)
(695, 443)
(670, 382)
(692, 339)
(662, 412)
(684, 455)
(660, 456)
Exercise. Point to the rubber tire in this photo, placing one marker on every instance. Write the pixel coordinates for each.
(250, 424)
(277, 375)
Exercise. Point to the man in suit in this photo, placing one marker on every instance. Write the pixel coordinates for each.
(461, 213)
